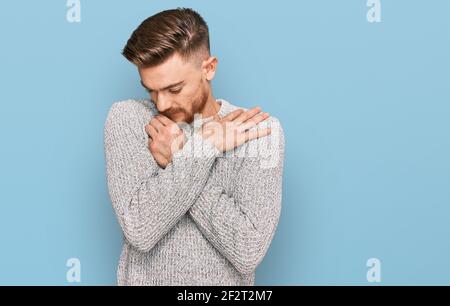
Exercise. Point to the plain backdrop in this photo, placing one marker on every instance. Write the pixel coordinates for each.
(365, 108)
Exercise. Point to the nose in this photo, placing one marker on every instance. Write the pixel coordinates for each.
(163, 103)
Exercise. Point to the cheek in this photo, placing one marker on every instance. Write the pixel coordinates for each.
(182, 100)
(186, 99)
(188, 94)
(194, 92)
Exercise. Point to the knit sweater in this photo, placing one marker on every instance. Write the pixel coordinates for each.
(208, 218)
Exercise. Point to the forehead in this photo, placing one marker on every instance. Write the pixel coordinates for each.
(173, 70)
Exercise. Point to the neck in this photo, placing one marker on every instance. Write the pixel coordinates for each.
(211, 107)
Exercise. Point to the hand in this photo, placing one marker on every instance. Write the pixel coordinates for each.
(166, 138)
(233, 130)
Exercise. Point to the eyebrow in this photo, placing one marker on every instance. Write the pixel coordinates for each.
(167, 87)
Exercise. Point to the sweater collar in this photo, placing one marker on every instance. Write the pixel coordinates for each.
(223, 111)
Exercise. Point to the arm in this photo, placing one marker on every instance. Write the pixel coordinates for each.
(148, 200)
(242, 226)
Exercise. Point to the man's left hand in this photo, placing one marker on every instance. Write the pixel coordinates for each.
(165, 139)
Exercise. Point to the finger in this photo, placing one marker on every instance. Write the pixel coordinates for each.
(253, 121)
(150, 130)
(173, 127)
(247, 115)
(253, 134)
(233, 114)
(164, 120)
(156, 124)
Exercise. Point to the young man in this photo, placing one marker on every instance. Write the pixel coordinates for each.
(195, 182)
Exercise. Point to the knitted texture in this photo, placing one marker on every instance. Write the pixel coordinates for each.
(208, 218)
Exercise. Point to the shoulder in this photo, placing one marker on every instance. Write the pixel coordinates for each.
(274, 142)
(131, 109)
(267, 151)
(272, 122)
(271, 144)
(130, 115)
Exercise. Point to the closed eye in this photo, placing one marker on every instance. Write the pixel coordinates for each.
(175, 91)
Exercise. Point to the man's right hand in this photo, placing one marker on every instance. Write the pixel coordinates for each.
(232, 130)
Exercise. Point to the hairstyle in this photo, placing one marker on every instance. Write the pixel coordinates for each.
(180, 30)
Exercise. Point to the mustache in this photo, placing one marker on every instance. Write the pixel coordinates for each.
(173, 112)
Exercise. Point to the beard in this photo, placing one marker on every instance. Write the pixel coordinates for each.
(196, 105)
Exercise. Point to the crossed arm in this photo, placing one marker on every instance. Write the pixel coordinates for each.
(149, 200)
(242, 226)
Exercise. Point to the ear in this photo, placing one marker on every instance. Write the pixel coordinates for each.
(209, 67)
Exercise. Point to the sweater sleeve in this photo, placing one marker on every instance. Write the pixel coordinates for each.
(148, 200)
(241, 226)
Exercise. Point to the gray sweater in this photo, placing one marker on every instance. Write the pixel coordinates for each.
(208, 218)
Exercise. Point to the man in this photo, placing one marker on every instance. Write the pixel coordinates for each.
(195, 182)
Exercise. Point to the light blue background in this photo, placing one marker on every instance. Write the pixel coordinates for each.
(365, 108)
